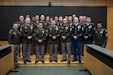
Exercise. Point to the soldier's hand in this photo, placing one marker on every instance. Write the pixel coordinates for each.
(20, 45)
(14, 33)
(63, 37)
(54, 37)
(40, 41)
(103, 46)
(29, 37)
(75, 37)
(85, 37)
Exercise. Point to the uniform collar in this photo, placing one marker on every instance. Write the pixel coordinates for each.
(75, 24)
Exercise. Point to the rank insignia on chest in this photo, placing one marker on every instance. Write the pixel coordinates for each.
(90, 27)
(56, 28)
(18, 24)
(25, 27)
(31, 27)
(79, 27)
(101, 32)
(50, 28)
(66, 28)
(43, 32)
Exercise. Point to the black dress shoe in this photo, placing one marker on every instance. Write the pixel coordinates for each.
(74, 60)
(50, 61)
(36, 61)
(82, 54)
(24, 61)
(17, 66)
(43, 61)
(28, 60)
(79, 61)
(55, 60)
(68, 61)
(63, 60)
(19, 55)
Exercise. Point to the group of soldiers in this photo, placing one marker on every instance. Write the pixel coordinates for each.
(67, 33)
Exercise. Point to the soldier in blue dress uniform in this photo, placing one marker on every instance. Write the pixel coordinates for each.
(77, 39)
(88, 31)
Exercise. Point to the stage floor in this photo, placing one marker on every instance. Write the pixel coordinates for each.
(47, 63)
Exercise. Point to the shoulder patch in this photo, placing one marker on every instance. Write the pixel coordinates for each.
(10, 31)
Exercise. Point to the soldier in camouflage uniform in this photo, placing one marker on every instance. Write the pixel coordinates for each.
(47, 23)
(33, 42)
(14, 38)
(34, 22)
(100, 36)
(40, 35)
(53, 33)
(20, 24)
(56, 19)
(60, 22)
(42, 20)
(65, 34)
(27, 33)
(37, 20)
(70, 20)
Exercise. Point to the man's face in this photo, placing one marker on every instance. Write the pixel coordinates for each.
(51, 19)
(75, 20)
(81, 18)
(21, 18)
(40, 25)
(88, 20)
(28, 20)
(42, 18)
(33, 18)
(37, 17)
(65, 21)
(56, 18)
(66, 17)
(84, 18)
(70, 18)
(60, 18)
(99, 25)
(47, 18)
(74, 15)
(15, 26)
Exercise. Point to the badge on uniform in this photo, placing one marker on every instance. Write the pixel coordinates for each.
(10, 31)
(101, 32)
(31, 27)
(56, 28)
(43, 32)
(25, 27)
(50, 28)
(79, 27)
(90, 27)
(70, 24)
(66, 28)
